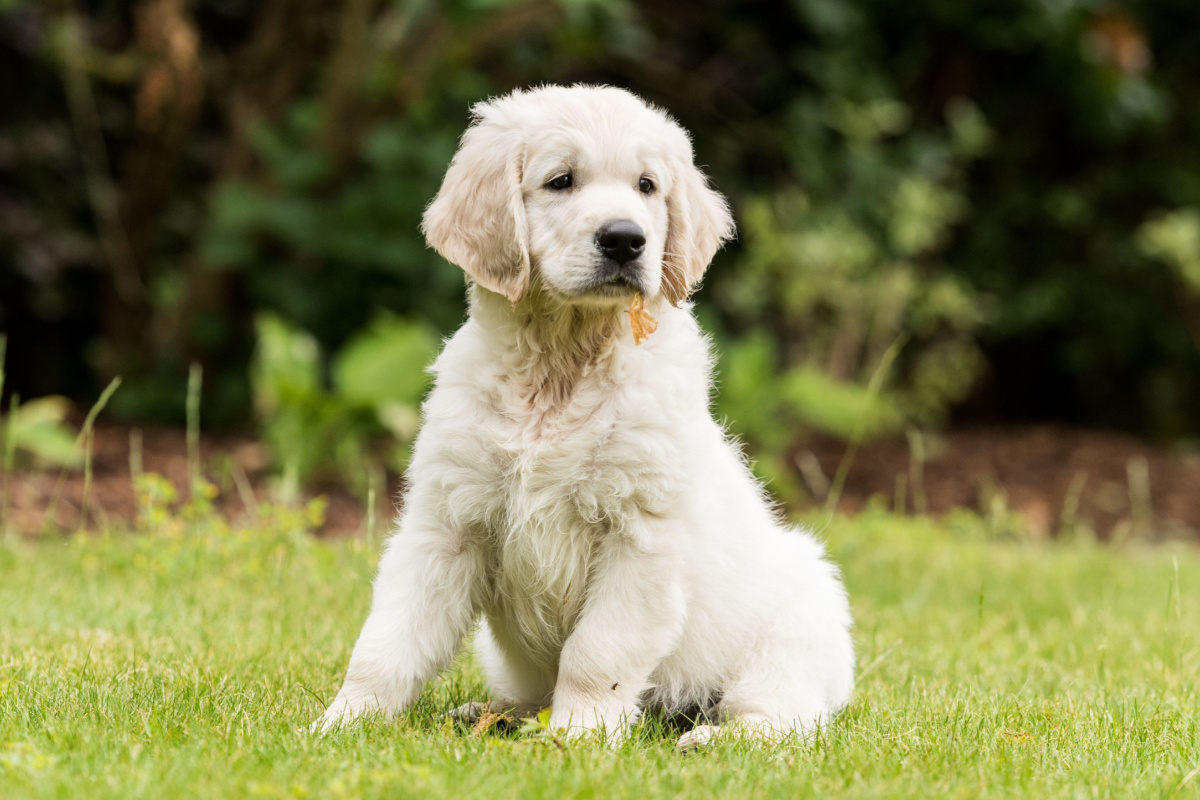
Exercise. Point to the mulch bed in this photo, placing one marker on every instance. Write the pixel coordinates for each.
(1051, 477)
(237, 464)
(1043, 477)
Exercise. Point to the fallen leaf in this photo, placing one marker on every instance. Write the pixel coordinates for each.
(640, 320)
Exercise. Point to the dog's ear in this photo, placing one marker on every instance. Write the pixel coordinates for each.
(698, 223)
(477, 220)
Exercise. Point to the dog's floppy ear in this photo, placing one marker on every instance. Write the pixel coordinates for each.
(698, 223)
(477, 220)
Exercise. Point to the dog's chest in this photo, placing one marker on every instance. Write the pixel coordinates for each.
(553, 496)
(544, 499)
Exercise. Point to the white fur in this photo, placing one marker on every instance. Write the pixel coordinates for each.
(572, 489)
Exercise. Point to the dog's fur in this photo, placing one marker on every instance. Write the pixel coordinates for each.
(571, 488)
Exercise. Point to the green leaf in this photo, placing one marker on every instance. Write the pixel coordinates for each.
(385, 366)
(38, 428)
(838, 407)
(287, 364)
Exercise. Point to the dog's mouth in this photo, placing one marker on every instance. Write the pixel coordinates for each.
(620, 282)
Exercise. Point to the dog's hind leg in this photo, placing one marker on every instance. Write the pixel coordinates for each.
(781, 690)
(800, 671)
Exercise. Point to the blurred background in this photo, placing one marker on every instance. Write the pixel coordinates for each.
(967, 272)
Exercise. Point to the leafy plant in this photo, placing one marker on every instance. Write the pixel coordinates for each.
(1174, 238)
(283, 162)
(383, 369)
(368, 414)
(38, 430)
(828, 289)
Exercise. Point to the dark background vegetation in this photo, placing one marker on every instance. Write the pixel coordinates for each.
(990, 207)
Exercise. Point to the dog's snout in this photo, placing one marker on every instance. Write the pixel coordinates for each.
(621, 240)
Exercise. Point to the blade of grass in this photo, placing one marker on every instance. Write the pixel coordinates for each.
(84, 434)
(88, 442)
(916, 469)
(245, 491)
(10, 457)
(879, 659)
(135, 456)
(1067, 518)
(873, 389)
(195, 381)
(5, 469)
(89, 434)
(1137, 471)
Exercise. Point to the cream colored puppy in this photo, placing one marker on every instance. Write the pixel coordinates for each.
(570, 490)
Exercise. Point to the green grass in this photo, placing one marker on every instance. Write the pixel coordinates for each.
(181, 661)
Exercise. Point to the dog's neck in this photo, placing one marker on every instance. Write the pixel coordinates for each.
(548, 348)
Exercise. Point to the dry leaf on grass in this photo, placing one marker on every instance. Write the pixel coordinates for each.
(488, 720)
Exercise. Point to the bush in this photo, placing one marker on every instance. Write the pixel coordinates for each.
(366, 419)
(1004, 168)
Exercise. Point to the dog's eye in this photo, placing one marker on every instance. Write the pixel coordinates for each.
(561, 182)
(646, 185)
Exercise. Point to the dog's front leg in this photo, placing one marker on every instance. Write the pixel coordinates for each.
(631, 620)
(425, 600)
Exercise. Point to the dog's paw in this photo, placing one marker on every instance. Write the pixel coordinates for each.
(329, 721)
(611, 733)
(324, 724)
(698, 737)
(344, 710)
(484, 717)
(469, 713)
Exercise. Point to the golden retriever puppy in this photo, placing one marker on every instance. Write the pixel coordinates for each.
(570, 492)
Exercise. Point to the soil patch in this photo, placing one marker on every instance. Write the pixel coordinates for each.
(1041, 479)
(44, 500)
(1049, 477)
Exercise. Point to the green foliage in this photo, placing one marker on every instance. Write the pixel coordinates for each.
(1175, 239)
(384, 369)
(313, 431)
(826, 289)
(184, 660)
(981, 182)
(302, 426)
(161, 517)
(842, 300)
(763, 407)
(38, 429)
(350, 231)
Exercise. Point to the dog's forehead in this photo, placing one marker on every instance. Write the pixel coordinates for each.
(611, 150)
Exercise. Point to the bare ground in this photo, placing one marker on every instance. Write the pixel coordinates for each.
(1050, 477)
(1040, 478)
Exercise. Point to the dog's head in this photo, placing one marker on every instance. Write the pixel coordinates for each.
(586, 190)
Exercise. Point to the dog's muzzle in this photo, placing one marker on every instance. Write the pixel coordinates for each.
(621, 243)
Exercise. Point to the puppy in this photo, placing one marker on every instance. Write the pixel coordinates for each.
(570, 490)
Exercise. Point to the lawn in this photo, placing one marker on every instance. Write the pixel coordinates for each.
(181, 660)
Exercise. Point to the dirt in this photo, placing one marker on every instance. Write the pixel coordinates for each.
(1046, 478)
(53, 499)
(1039, 479)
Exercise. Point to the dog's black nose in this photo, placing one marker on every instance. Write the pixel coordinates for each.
(621, 240)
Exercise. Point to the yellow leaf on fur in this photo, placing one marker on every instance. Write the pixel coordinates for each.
(640, 320)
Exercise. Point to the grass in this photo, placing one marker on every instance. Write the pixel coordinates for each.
(179, 661)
